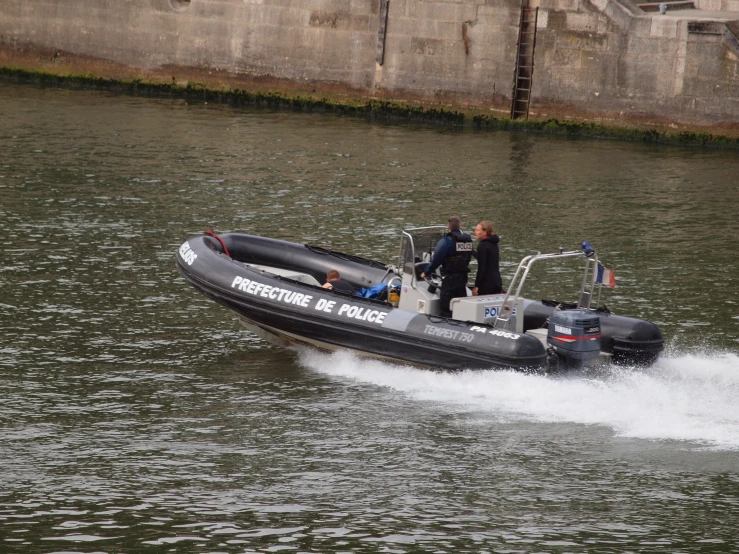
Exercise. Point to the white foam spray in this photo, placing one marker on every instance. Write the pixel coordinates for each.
(690, 398)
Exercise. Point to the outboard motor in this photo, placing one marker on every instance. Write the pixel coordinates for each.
(574, 338)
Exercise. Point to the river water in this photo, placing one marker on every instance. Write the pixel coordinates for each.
(137, 416)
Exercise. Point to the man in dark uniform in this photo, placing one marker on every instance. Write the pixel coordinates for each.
(452, 254)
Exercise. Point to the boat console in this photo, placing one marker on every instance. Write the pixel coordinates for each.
(416, 248)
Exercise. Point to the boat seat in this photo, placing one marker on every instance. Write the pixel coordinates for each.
(485, 309)
(291, 274)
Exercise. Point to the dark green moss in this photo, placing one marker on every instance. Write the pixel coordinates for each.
(372, 108)
(593, 130)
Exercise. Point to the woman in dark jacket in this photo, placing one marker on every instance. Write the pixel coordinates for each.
(488, 279)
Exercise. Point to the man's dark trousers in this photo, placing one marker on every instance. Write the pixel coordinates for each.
(453, 285)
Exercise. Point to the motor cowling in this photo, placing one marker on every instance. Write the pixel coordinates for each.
(574, 336)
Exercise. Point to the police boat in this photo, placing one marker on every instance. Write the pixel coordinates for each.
(274, 287)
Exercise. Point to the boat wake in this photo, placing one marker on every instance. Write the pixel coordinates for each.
(687, 398)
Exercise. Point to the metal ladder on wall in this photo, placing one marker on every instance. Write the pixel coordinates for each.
(524, 63)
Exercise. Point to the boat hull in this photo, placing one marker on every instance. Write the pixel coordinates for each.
(243, 274)
(300, 312)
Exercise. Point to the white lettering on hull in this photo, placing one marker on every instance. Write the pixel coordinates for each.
(445, 333)
(350, 311)
(496, 332)
(188, 256)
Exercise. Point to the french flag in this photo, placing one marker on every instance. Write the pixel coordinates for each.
(606, 276)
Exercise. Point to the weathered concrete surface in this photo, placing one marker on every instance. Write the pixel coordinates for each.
(607, 59)
(717, 5)
(601, 60)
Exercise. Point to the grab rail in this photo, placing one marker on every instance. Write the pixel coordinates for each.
(585, 300)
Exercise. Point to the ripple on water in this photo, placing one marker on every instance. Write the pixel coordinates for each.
(138, 415)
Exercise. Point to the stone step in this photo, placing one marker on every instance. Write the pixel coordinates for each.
(654, 6)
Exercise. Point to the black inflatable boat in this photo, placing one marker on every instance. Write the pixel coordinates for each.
(275, 288)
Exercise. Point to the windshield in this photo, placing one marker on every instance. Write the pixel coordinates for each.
(418, 242)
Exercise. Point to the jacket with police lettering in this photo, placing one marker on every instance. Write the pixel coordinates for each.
(452, 253)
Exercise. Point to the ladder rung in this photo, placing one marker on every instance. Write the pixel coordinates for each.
(525, 66)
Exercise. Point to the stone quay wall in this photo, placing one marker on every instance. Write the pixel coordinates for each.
(603, 60)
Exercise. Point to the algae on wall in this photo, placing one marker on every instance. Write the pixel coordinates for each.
(384, 110)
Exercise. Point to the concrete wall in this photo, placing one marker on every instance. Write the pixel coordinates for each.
(594, 58)
(717, 5)
(299, 39)
(459, 51)
(600, 58)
